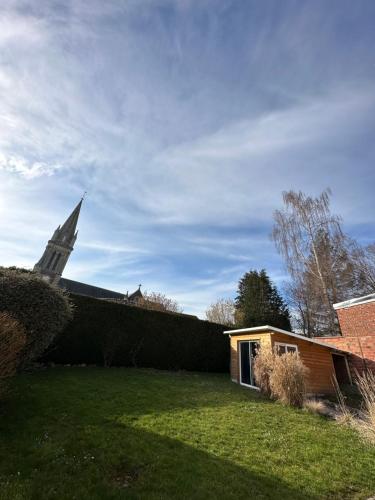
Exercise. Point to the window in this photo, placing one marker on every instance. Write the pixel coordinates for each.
(56, 261)
(51, 260)
(282, 348)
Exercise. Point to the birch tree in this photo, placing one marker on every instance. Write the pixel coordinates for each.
(317, 257)
(365, 267)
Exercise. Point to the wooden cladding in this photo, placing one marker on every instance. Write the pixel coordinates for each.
(317, 359)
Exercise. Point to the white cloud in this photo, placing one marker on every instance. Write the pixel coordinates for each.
(21, 30)
(225, 176)
(28, 170)
(112, 248)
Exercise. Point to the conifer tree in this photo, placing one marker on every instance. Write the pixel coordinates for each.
(258, 302)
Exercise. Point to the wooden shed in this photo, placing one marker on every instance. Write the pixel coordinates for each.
(322, 360)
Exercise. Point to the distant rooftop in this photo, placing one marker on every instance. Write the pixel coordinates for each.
(89, 290)
(355, 302)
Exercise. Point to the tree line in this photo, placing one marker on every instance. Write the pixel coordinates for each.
(324, 264)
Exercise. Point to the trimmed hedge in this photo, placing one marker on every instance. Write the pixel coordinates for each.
(104, 332)
(42, 309)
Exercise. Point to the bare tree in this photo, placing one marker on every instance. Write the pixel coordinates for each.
(300, 300)
(222, 312)
(317, 256)
(157, 301)
(365, 267)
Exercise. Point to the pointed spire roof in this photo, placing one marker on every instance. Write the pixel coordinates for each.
(68, 229)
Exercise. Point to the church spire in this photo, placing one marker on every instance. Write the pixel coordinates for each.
(59, 247)
(68, 229)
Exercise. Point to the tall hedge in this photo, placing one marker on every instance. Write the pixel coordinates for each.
(103, 332)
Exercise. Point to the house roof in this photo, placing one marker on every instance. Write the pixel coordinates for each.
(273, 329)
(355, 302)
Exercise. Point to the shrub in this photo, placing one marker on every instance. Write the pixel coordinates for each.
(287, 379)
(123, 335)
(40, 307)
(12, 342)
(263, 366)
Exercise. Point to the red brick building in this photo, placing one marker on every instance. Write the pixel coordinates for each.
(357, 323)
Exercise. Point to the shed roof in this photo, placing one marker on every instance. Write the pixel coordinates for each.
(273, 329)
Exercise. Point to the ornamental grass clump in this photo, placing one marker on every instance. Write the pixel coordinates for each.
(12, 343)
(362, 421)
(287, 379)
(263, 366)
(281, 377)
(366, 424)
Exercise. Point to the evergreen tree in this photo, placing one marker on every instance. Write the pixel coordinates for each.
(258, 302)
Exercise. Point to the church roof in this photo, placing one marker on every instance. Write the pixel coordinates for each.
(136, 295)
(89, 290)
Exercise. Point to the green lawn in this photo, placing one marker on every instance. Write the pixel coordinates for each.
(91, 433)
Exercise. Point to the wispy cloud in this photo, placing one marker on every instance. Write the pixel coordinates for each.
(184, 121)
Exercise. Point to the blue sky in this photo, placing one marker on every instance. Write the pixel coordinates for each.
(184, 121)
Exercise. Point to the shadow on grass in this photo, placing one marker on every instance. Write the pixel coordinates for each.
(60, 437)
(135, 464)
(168, 468)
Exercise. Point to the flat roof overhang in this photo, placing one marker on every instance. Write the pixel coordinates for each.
(273, 329)
(355, 302)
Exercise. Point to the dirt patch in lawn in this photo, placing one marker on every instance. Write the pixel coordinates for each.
(124, 476)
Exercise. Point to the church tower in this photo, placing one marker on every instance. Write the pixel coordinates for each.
(59, 248)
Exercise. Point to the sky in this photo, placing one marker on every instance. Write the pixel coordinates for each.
(184, 121)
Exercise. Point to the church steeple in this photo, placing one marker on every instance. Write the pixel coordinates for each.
(68, 229)
(59, 247)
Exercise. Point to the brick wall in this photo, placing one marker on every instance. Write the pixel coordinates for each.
(357, 323)
(357, 320)
(362, 351)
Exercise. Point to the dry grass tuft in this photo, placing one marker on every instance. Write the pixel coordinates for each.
(344, 414)
(263, 366)
(287, 380)
(366, 424)
(315, 406)
(281, 377)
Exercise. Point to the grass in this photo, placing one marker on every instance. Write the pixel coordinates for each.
(92, 433)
